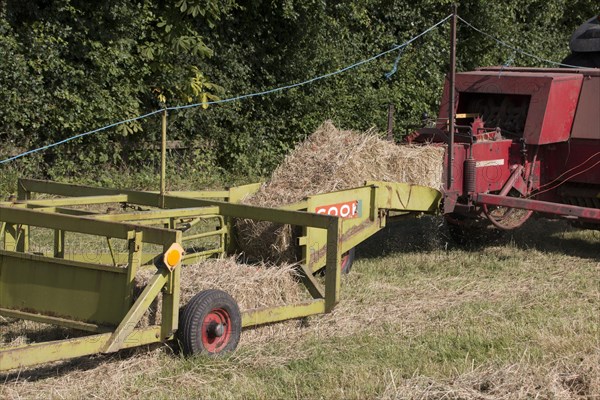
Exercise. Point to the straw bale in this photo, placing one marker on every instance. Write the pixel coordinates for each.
(331, 159)
(251, 286)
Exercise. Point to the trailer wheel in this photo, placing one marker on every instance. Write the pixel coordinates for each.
(210, 324)
(347, 261)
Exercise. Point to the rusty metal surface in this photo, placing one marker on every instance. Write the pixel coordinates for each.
(552, 104)
(540, 206)
(585, 71)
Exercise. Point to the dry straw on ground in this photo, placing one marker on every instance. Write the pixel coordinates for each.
(563, 380)
(328, 160)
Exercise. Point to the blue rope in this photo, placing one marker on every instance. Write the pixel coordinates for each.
(79, 136)
(388, 75)
(508, 63)
(516, 49)
(232, 99)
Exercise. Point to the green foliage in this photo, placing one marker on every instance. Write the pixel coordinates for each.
(70, 66)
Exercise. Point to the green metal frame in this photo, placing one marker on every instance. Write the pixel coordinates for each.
(95, 292)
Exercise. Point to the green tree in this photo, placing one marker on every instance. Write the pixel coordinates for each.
(69, 66)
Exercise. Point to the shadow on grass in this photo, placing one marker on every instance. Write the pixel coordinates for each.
(430, 233)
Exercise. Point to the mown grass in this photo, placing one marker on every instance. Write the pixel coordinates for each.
(419, 318)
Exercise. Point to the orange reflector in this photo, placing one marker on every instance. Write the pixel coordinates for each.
(173, 255)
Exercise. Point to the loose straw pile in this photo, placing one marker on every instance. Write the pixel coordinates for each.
(328, 160)
(251, 286)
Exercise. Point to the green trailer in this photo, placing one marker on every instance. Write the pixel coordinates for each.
(50, 273)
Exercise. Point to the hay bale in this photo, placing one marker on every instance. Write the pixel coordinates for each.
(328, 160)
(251, 286)
(265, 241)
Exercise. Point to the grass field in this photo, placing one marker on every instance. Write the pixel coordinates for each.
(419, 319)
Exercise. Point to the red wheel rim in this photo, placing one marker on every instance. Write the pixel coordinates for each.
(215, 321)
(345, 258)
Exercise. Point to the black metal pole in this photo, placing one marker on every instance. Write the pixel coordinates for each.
(450, 179)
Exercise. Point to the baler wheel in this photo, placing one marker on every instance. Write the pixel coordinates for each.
(507, 218)
(210, 324)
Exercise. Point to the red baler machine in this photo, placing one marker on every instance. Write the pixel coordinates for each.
(524, 140)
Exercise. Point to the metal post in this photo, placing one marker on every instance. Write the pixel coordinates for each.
(23, 234)
(390, 123)
(451, 105)
(163, 157)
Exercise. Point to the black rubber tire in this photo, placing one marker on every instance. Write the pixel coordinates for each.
(194, 314)
(347, 261)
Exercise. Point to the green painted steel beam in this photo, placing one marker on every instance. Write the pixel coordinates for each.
(25, 257)
(62, 210)
(10, 236)
(315, 289)
(54, 320)
(64, 189)
(107, 259)
(232, 210)
(191, 258)
(134, 261)
(39, 353)
(218, 232)
(170, 303)
(210, 194)
(265, 315)
(238, 193)
(404, 196)
(135, 313)
(298, 206)
(59, 244)
(158, 214)
(350, 238)
(78, 201)
(332, 266)
(86, 225)
(274, 215)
